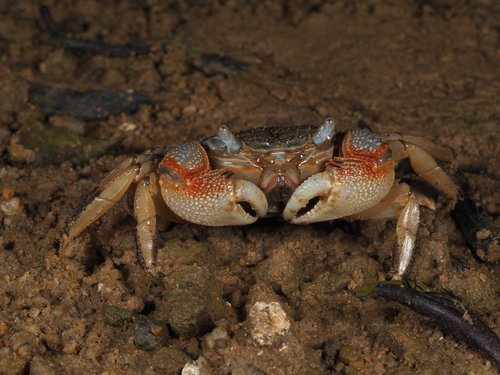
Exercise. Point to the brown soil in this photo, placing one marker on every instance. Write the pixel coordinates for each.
(429, 68)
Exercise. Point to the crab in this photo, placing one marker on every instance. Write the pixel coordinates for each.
(305, 174)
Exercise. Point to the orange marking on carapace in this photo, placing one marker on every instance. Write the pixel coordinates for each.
(349, 151)
(185, 172)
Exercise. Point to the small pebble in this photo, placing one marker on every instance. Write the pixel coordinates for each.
(348, 355)
(198, 367)
(3, 327)
(156, 330)
(73, 176)
(70, 347)
(189, 110)
(11, 206)
(268, 321)
(281, 94)
(7, 193)
(216, 335)
(324, 110)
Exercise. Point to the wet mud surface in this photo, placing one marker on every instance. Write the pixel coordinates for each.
(269, 298)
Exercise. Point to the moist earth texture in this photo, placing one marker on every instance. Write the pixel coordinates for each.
(268, 298)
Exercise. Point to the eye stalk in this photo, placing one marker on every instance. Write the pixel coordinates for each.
(325, 133)
(224, 142)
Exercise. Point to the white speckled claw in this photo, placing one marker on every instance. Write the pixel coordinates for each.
(329, 196)
(204, 196)
(356, 180)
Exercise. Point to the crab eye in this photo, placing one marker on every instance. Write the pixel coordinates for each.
(325, 132)
(224, 142)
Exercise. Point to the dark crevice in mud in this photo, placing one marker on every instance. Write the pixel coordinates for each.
(149, 307)
(94, 257)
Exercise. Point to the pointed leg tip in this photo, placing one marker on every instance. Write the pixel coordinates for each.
(64, 241)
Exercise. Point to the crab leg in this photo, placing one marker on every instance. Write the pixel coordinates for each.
(405, 204)
(203, 196)
(111, 190)
(147, 204)
(145, 214)
(98, 205)
(406, 231)
(423, 154)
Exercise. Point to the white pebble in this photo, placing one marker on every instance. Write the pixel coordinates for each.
(11, 206)
(198, 367)
(268, 321)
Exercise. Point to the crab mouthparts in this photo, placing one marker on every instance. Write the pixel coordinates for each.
(278, 182)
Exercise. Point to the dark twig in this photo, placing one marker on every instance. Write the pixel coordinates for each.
(447, 313)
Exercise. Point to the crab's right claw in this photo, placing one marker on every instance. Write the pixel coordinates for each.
(339, 192)
(203, 196)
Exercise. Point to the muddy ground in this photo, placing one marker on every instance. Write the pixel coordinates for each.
(428, 68)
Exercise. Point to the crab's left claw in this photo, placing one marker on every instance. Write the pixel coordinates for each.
(203, 196)
(329, 195)
(351, 183)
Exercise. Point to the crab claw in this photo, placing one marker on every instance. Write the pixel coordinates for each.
(336, 193)
(203, 196)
